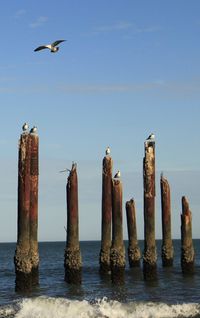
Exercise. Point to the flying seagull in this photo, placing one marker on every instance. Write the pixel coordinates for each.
(25, 127)
(151, 137)
(53, 47)
(107, 151)
(117, 175)
(33, 130)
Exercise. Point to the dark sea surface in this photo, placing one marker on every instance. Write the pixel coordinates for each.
(171, 295)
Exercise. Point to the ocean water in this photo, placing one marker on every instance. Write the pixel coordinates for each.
(171, 295)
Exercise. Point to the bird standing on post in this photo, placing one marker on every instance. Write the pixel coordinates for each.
(33, 130)
(151, 137)
(53, 47)
(107, 151)
(25, 127)
(117, 175)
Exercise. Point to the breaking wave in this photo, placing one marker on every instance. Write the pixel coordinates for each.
(49, 307)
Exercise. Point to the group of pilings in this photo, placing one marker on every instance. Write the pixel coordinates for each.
(26, 255)
(112, 253)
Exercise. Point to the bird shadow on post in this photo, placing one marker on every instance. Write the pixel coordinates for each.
(150, 255)
(187, 249)
(104, 256)
(117, 253)
(134, 254)
(72, 258)
(167, 246)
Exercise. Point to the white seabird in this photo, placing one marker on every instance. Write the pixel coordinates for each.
(52, 47)
(117, 175)
(33, 130)
(151, 137)
(25, 127)
(107, 151)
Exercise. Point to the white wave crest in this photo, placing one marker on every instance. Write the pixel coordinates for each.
(45, 307)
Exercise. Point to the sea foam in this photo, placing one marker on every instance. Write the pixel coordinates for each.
(47, 307)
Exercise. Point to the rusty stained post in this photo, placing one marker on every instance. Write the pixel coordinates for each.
(72, 262)
(167, 245)
(187, 249)
(23, 265)
(34, 172)
(150, 256)
(117, 253)
(104, 257)
(134, 254)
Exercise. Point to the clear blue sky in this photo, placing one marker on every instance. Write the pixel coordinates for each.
(128, 68)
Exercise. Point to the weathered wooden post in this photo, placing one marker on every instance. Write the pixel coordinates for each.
(187, 249)
(23, 265)
(104, 257)
(150, 256)
(34, 172)
(167, 245)
(134, 254)
(72, 262)
(117, 254)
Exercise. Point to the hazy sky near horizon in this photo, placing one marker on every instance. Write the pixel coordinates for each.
(128, 68)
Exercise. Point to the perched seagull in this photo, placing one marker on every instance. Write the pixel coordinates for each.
(25, 127)
(117, 175)
(52, 47)
(151, 137)
(33, 130)
(65, 170)
(107, 151)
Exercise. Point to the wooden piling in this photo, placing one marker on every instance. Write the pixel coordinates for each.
(150, 256)
(187, 249)
(72, 262)
(23, 264)
(117, 254)
(167, 245)
(134, 254)
(104, 257)
(34, 172)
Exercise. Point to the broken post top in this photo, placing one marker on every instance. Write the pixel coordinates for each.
(162, 178)
(73, 170)
(185, 206)
(130, 203)
(164, 184)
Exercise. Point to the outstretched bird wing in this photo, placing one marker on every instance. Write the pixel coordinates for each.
(42, 47)
(57, 42)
